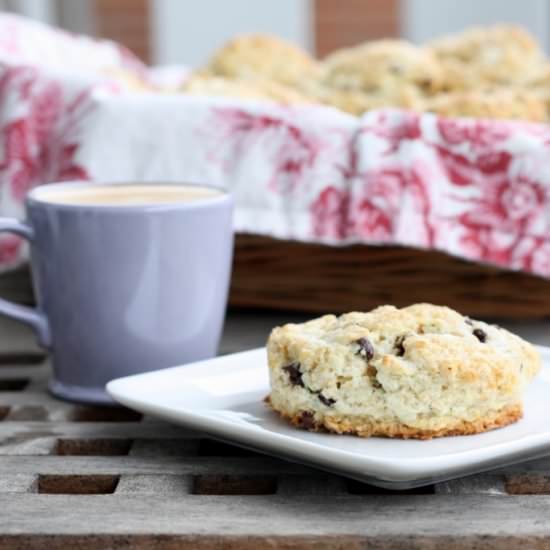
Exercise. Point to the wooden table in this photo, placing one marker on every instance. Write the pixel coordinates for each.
(78, 477)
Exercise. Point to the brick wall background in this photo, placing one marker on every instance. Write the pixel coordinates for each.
(340, 23)
(127, 22)
(336, 23)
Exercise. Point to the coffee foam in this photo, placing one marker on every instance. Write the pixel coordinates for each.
(126, 195)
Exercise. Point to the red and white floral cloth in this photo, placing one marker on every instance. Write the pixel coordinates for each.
(475, 189)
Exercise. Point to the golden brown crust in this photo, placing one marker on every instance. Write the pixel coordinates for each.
(494, 72)
(368, 428)
(384, 73)
(497, 55)
(382, 67)
(251, 56)
(502, 104)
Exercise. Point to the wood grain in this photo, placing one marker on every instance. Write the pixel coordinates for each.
(404, 517)
(308, 277)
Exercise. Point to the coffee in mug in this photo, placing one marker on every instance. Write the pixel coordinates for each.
(128, 277)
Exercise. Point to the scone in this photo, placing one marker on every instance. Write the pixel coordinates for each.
(498, 103)
(357, 102)
(419, 372)
(540, 85)
(263, 56)
(385, 70)
(497, 55)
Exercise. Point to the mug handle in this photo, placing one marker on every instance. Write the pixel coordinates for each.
(28, 315)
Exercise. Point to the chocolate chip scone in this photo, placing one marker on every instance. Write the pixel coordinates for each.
(383, 70)
(497, 55)
(251, 56)
(497, 103)
(419, 372)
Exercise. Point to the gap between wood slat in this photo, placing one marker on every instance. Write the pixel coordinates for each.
(358, 488)
(23, 359)
(93, 447)
(77, 484)
(528, 484)
(13, 384)
(103, 414)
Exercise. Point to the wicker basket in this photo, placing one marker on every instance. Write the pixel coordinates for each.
(307, 277)
(270, 273)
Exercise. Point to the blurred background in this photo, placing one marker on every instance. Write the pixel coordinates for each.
(185, 31)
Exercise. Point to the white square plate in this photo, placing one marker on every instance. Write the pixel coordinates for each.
(223, 397)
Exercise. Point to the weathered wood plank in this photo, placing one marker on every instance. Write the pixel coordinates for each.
(159, 484)
(155, 430)
(18, 483)
(33, 397)
(193, 542)
(30, 372)
(27, 444)
(17, 338)
(92, 465)
(485, 484)
(273, 515)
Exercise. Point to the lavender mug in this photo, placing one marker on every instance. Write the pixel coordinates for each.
(128, 278)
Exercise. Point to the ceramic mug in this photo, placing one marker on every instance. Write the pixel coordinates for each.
(123, 288)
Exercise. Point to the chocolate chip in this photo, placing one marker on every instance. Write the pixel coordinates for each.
(398, 345)
(366, 350)
(306, 420)
(481, 335)
(328, 401)
(425, 84)
(371, 373)
(294, 374)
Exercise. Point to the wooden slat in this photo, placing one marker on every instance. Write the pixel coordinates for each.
(96, 465)
(166, 485)
(143, 541)
(403, 517)
(18, 483)
(485, 484)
